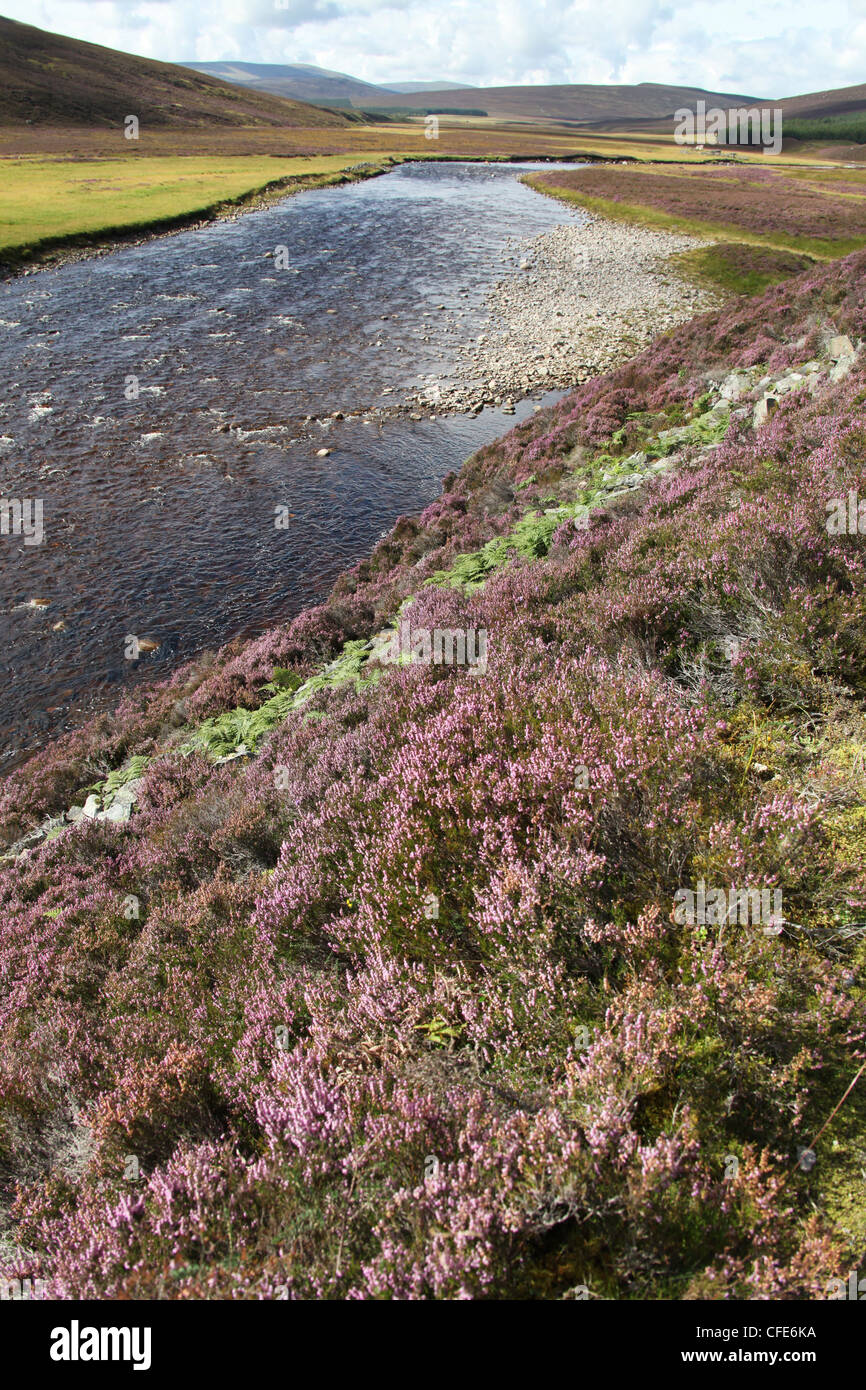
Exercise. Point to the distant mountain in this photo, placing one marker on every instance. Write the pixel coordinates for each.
(299, 81)
(49, 79)
(430, 87)
(579, 102)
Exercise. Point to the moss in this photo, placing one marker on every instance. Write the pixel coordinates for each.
(241, 730)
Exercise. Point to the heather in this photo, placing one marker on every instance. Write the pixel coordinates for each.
(379, 991)
(781, 209)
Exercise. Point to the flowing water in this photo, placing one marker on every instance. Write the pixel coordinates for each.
(158, 403)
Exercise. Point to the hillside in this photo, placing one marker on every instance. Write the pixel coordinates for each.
(48, 79)
(841, 102)
(299, 81)
(331, 974)
(584, 103)
(430, 87)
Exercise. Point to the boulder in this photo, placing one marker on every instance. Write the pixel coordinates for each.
(842, 367)
(734, 386)
(128, 793)
(763, 410)
(840, 346)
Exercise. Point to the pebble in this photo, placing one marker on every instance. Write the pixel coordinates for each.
(598, 293)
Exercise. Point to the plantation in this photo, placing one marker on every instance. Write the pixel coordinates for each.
(850, 126)
(382, 984)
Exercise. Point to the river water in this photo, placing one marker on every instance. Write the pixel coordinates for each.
(158, 401)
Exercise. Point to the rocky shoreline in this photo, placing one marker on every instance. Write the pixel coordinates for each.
(577, 301)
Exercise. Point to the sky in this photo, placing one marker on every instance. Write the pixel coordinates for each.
(767, 48)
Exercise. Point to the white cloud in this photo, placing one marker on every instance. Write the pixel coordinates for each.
(761, 47)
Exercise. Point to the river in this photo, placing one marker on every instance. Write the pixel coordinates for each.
(161, 402)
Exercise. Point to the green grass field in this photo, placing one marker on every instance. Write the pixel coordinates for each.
(46, 203)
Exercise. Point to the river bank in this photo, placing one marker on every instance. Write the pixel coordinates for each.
(65, 248)
(577, 301)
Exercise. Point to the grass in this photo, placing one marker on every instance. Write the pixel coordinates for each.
(644, 214)
(738, 268)
(459, 137)
(47, 204)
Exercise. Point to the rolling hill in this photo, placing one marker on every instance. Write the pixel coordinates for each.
(297, 81)
(430, 87)
(304, 82)
(841, 102)
(49, 79)
(581, 102)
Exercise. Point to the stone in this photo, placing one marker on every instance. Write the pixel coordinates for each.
(763, 410)
(841, 368)
(840, 346)
(118, 812)
(90, 807)
(322, 453)
(128, 793)
(734, 386)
